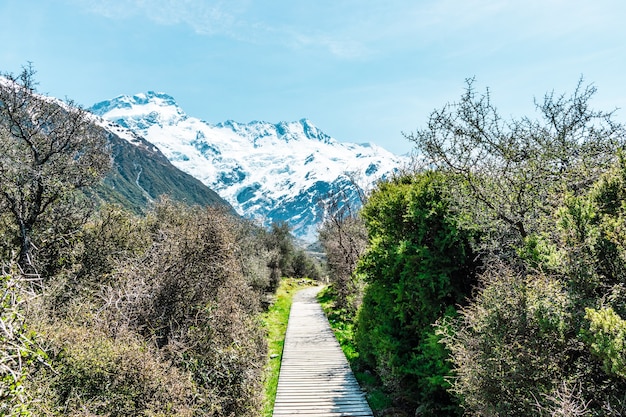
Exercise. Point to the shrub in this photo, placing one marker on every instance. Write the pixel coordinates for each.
(418, 266)
(254, 256)
(18, 349)
(91, 373)
(607, 339)
(187, 295)
(512, 343)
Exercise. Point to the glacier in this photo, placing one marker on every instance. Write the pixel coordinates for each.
(270, 172)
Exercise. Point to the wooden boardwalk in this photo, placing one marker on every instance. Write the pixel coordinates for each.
(315, 378)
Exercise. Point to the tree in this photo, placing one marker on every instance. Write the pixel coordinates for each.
(344, 238)
(513, 172)
(47, 149)
(418, 266)
(545, 333)
(280, 239)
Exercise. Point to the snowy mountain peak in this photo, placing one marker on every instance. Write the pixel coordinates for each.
(257, 132)
(272, 172)
(141, 110)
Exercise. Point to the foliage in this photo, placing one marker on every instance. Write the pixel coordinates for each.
(306, 266)
(607, 339)
(187, 296)
(47, 150)
(18, 348)
(158, 318)
(109, 238)
(93, 373)
(513, 173)
(511, 343)
(544, 335)
(254, 256)
(287, 260)
(418, 266)
(344, 238)
(281, 240)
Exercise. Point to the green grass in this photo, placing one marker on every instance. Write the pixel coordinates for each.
(275, 321)
(341, 323)
(343, 327)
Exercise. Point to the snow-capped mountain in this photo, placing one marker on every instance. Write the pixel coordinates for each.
(140, 172)
(270, 172)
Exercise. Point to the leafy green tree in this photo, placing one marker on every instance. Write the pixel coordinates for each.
(47, 149)
(258, 262)
(281, 240)
(418, 266)
(305, 266)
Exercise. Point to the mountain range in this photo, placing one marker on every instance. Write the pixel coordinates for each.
(272, 172)
(140, 172)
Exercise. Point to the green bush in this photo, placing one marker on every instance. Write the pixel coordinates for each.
(511, 344)
(545, 332)
(418, 266)
(607, 339)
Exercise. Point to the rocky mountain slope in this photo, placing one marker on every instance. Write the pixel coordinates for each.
(271, 172)
(141, 174)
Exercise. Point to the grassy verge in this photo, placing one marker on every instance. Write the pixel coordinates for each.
(275, 321)
(343, 327)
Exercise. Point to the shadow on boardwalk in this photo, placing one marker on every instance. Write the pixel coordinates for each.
(315, 378)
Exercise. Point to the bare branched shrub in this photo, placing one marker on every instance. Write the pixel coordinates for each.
(188, 296)
(566, 401)
(344, 239)
(18, 349)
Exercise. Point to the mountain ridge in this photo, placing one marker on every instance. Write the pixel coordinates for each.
(140, 173)
(272, 172)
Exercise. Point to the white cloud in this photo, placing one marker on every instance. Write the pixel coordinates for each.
(353, 29)
(204, 17)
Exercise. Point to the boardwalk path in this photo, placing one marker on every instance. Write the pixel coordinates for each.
(315, 378)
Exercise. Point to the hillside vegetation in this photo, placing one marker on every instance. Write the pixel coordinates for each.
(489, 282)
(107, 312)
(140, 174)
(492, 281)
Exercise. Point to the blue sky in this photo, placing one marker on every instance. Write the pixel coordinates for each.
(362, 71)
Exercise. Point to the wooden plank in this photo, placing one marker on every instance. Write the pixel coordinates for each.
(315, 377)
